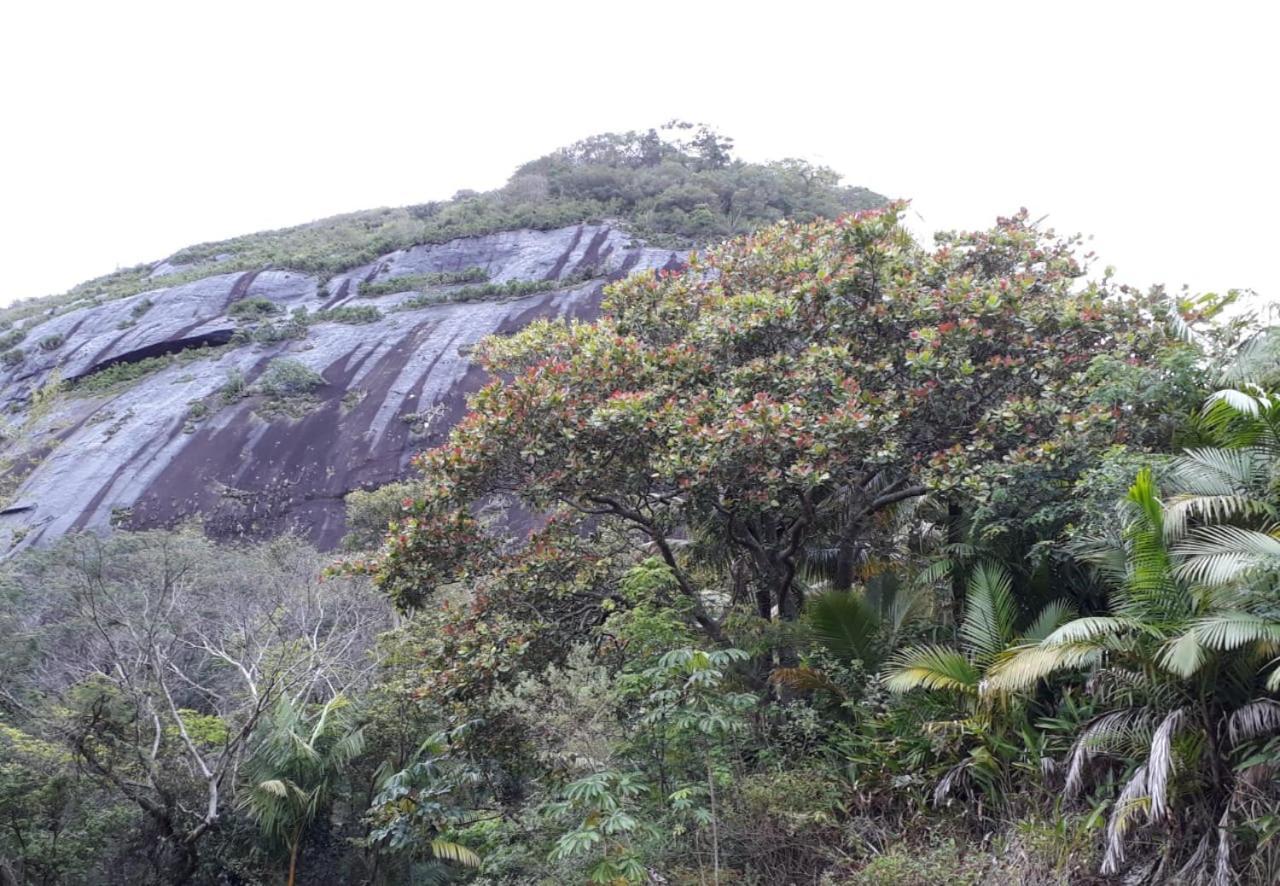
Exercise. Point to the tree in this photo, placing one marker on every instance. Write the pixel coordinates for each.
(1178, 667)
(151, 658)
(835, 365)
(294, 766)
(990, 627)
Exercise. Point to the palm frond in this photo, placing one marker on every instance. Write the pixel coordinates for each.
(1053, 616)
(804, 679)
(1219, 508)
(455, 852)
(1221, 470)
(1182, 655)
(1023, 666)
(1231, 630)
(1132, 800)
(932, 667)
(1097, 737)
(1088, 628)
(1222, 554)
(1256, 360)
(990, 612)
(846, 625)
(1254, 720)
(1160, 763)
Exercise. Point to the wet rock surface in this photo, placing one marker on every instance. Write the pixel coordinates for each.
(170, 445)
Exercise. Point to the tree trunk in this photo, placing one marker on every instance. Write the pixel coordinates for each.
(294, 846)
(955, 536)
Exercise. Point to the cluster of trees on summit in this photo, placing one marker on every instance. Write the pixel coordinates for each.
(855, 560)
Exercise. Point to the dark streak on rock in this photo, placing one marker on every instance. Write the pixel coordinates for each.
(159, 349)
(558, 268)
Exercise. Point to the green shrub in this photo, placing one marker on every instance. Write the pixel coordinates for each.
(234, 387)
(289, 378)
(120, 373)
(253, 308)
(348, 314)
(371, 511)
(12, 357)
(12, 338)
(418, 282)
(51, 342)
(488, 290)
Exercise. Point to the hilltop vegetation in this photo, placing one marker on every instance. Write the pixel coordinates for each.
(681, 186)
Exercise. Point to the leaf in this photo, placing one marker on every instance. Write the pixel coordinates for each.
(990, 613)
(1049, 619)
(846, 625)
(1022, 667)
(455, 852)
(932, 667)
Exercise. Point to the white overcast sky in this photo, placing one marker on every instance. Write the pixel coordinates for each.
(132, 129)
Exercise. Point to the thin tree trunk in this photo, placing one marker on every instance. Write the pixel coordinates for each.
(715, 833)
(293, 858)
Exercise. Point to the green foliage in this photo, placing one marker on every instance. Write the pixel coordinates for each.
(811, 368)
(292, 770)
(352, 314)
(254, 308)
(235, 386)
(370, 512)
(55, 827)
(284, 379)
(510, 289)
(119, 375)
(826, 581)
(12, 338)
(420, 282)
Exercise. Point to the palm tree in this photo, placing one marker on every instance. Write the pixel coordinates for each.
(1227, 512)
(1177, 665)
(295, 766)
(988, 628)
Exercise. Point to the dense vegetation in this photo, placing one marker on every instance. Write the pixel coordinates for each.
(680, 186)
(855, 562)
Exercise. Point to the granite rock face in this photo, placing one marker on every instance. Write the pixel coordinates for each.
(169, 445)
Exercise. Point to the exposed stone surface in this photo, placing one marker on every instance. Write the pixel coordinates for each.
(142, 455)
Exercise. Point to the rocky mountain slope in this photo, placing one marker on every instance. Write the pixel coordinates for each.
(176, 443)
(253, 383)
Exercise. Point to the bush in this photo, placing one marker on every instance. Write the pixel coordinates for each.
(418, 282)
(253, 308)
(488, 290)
(120, 373)
(51, 342)
(371, 511)
(12, 357)
(234, 388)
(289, 378)
(349, 314)
(12, 338)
